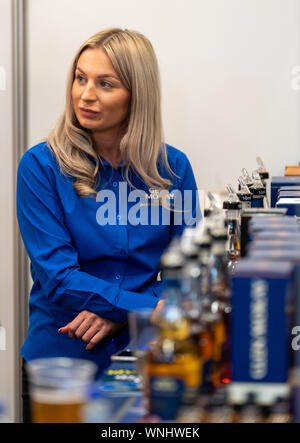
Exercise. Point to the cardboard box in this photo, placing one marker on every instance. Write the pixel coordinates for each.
(279, 181)
(246, 216)
(291, 204)
(260, 325)
(271, 244)
(288, 194)
(291, 255)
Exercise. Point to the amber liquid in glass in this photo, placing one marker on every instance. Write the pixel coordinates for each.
(48, 409)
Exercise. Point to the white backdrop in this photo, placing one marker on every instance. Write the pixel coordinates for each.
(226, 70)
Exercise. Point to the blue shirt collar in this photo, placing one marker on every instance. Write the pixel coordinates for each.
(106, 163)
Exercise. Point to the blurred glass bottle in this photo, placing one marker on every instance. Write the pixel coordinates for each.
(244, 194)
(173, 365)
(213, 215)
(220, 292)
(250, 412)
(208, 314)
(232, 208)
(264, 175)
(203, 243)
(191, 281)
(280, 411)
(246, 178)
(218, 409)
(258, 190)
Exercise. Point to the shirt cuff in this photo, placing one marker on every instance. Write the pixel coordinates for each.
(134, 301)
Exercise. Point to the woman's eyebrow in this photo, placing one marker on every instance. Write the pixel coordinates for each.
(99, 76)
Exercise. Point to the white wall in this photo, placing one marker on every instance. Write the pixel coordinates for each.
(225, 67)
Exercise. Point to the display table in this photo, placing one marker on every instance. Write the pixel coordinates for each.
(121, 383)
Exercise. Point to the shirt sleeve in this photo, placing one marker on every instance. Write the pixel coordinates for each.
(54, 257)
(186, 209)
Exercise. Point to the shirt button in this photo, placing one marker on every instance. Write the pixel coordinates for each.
(119, 217)
(115, 184)
(118, 276)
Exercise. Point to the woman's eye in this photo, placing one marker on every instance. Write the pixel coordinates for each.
(79, 78)
(105, 84)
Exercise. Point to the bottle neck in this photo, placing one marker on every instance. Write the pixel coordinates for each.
(233, 228)
(219, 248)
(204, 257)
(233, 214)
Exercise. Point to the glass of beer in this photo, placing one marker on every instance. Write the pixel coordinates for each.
(57, 388)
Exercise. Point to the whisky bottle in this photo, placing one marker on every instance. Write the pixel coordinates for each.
(280, 411)
(209, 316)
(191, 281)
(219, 278)
(203, 242)
(173, 365)
(232, 208)
(246, 178)
(214, 216)
(219, 410)
(220, 291)
(263, 173)
(244, 194)
(250, 412)
(258, 190)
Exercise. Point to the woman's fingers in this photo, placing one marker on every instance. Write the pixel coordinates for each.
(83, 328)
(91, 332)
(71, 327)
(91, 328)
(96, 338)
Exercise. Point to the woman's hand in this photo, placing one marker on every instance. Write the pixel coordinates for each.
(91, 328)
(156, 313)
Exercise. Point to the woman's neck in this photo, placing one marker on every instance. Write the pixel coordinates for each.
(108, 147)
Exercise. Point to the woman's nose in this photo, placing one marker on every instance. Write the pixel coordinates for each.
(89, 93)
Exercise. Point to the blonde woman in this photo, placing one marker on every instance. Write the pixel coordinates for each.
(85, 197)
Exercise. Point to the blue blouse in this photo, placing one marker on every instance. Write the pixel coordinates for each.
(98, 254)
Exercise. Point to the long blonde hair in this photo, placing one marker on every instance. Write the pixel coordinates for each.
(142, 146)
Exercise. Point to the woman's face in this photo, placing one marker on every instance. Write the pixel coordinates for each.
(100, 100)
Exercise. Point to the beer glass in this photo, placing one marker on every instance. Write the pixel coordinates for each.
(57, 388)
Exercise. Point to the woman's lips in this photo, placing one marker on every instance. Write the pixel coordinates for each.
(87, 113)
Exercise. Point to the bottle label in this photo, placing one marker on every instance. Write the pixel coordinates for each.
(166, 395)
(259, 191)
(246, 197)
